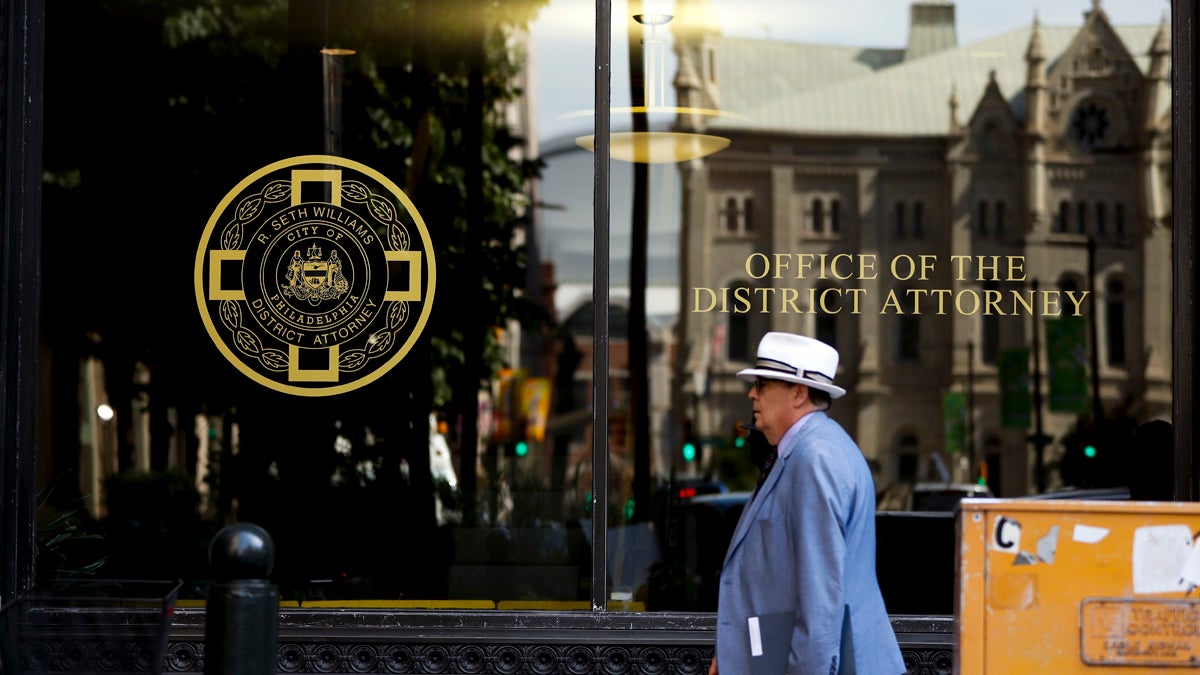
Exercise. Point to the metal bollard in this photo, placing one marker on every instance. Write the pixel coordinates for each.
(241, 624)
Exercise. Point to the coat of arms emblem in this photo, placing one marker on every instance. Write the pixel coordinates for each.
(315, 275)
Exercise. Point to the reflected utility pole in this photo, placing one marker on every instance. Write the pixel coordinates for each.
(1094, 346)
(1039, 437)
(971, 445)
(639, 379)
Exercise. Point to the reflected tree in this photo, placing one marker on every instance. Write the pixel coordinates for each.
(155, 111)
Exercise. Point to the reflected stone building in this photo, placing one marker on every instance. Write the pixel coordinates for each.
(951, 180)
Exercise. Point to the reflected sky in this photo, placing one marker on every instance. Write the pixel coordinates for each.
(563, 44)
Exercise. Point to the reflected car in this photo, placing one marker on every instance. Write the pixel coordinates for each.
(1099, 494)
(945, 496)
(914, 556)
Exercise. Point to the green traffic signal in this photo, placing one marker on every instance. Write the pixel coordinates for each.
(739, 442)
(522, 449)
(689, 451)
(1089, 451)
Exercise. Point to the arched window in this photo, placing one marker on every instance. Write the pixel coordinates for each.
(901, 230)
(818, 216)
(981, 218)
(1114, 322)
(1062, 222)
(1101, 220)
(1119, 221)
(1081, 218)
(918, 224)
(738, 338)
(835, 216)
(826, 313)
(737, 217)
(989, 140)
(1000, 225)
(1069, 282)
(745, 327)
(731, 215)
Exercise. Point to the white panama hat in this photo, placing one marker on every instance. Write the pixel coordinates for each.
(795, 358)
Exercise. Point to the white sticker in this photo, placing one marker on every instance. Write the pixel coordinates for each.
(1047, 546)
(755, 637)
(1191, 567)
(1089, 534)
(1006, 535)
(1160, 553)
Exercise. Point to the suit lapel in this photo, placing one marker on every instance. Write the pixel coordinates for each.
(768, 486)
(752, 508)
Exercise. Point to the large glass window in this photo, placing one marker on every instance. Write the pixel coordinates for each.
(342, 269)
(364, 351)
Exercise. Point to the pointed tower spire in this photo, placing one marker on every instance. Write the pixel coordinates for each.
(1160, 46)
(1035, 80)
(1036, 127)
(695, 29)
(1157, 75)
(1036, 51)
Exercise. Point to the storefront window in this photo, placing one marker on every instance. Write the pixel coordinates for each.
(332, 268)
(319, 305)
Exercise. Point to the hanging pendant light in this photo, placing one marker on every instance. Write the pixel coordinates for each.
(657, 147)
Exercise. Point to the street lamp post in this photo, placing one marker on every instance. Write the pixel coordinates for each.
(639, 384)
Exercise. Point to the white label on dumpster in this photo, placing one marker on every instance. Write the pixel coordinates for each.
(1191, 567)
(1089, 534)
(1160, 553)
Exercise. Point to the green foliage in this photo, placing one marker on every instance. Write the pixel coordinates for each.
(412, 95)
(64, 543)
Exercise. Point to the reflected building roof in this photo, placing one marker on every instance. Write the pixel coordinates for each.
(905, 99)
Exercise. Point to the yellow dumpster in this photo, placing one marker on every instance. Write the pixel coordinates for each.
(1077, 587)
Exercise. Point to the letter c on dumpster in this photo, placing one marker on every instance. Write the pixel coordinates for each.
(1006, 537)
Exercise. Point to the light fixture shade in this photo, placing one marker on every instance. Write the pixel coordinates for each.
(657, 147)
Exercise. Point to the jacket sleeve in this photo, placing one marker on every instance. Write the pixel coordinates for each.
(819, 546)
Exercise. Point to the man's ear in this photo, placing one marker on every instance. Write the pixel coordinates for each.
(799, 395)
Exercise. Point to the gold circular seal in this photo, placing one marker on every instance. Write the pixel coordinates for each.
(315, 275)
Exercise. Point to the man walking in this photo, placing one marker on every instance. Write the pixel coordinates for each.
(798, 591)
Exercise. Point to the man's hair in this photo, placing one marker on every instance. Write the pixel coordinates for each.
(820, 398)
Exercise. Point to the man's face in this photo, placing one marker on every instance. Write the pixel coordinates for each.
(777, 406)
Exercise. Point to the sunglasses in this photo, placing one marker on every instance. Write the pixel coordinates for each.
(760, 382)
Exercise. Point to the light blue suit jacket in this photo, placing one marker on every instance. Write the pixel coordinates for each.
(803, 554)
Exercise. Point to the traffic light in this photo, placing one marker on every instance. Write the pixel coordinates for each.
(1092, 455)
(688, 437)
(739, 435)
(516, 448)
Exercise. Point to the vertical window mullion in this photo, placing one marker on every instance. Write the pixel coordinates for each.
(600, 296)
